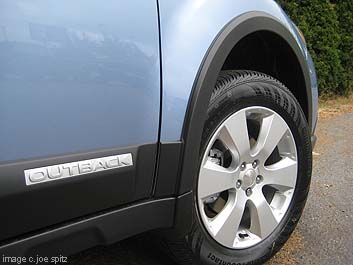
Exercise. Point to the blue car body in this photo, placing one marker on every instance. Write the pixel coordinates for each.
(69, 72)
(86, 79)
(188, 29)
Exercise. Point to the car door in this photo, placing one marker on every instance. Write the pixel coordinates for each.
(79, 108)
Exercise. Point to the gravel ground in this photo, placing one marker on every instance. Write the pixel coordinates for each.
(325, 233)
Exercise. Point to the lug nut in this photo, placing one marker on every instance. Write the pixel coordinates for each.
(243, 166)
(248, 192)
(258, 179)
(254, 164)
(238, 185)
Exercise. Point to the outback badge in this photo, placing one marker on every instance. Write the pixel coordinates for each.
(73, 169)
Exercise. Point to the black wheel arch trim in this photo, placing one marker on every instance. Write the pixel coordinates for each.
(204, 83)
(206, 79)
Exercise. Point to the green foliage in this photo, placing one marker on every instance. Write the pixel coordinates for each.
(328, 29)
(345, 17)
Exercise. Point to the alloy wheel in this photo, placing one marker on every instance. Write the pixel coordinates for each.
(247, 177)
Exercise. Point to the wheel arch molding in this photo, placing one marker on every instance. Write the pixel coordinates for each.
(205, 81)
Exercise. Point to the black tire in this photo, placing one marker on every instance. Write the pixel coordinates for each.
(234, 91)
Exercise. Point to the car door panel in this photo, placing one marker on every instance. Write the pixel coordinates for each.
(78, 81)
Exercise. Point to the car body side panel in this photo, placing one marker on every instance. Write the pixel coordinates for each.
(188, 30)
(77, 76)
(79, 81)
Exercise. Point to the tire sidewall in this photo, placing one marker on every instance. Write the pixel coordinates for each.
(239, 97)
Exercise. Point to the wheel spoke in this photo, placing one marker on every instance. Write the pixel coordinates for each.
(235, 135)
(226, 224)
(263, 219)
(214, 179)
(282, 174)
(272, 130)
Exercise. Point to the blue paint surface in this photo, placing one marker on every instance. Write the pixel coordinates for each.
(188, 30)
(83, 75)
(77, 75)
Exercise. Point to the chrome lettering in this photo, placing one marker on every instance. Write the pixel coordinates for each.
(61, 171)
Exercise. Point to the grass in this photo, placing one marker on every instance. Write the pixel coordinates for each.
(331, 106)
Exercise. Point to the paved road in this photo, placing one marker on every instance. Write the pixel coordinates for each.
(325, 233)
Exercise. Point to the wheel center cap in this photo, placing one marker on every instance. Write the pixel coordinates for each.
(249, 178)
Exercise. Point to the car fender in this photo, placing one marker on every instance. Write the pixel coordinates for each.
(192, 57)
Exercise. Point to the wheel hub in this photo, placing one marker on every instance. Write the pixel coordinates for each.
(248, 177)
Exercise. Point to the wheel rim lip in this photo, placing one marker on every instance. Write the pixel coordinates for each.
(200, 202)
